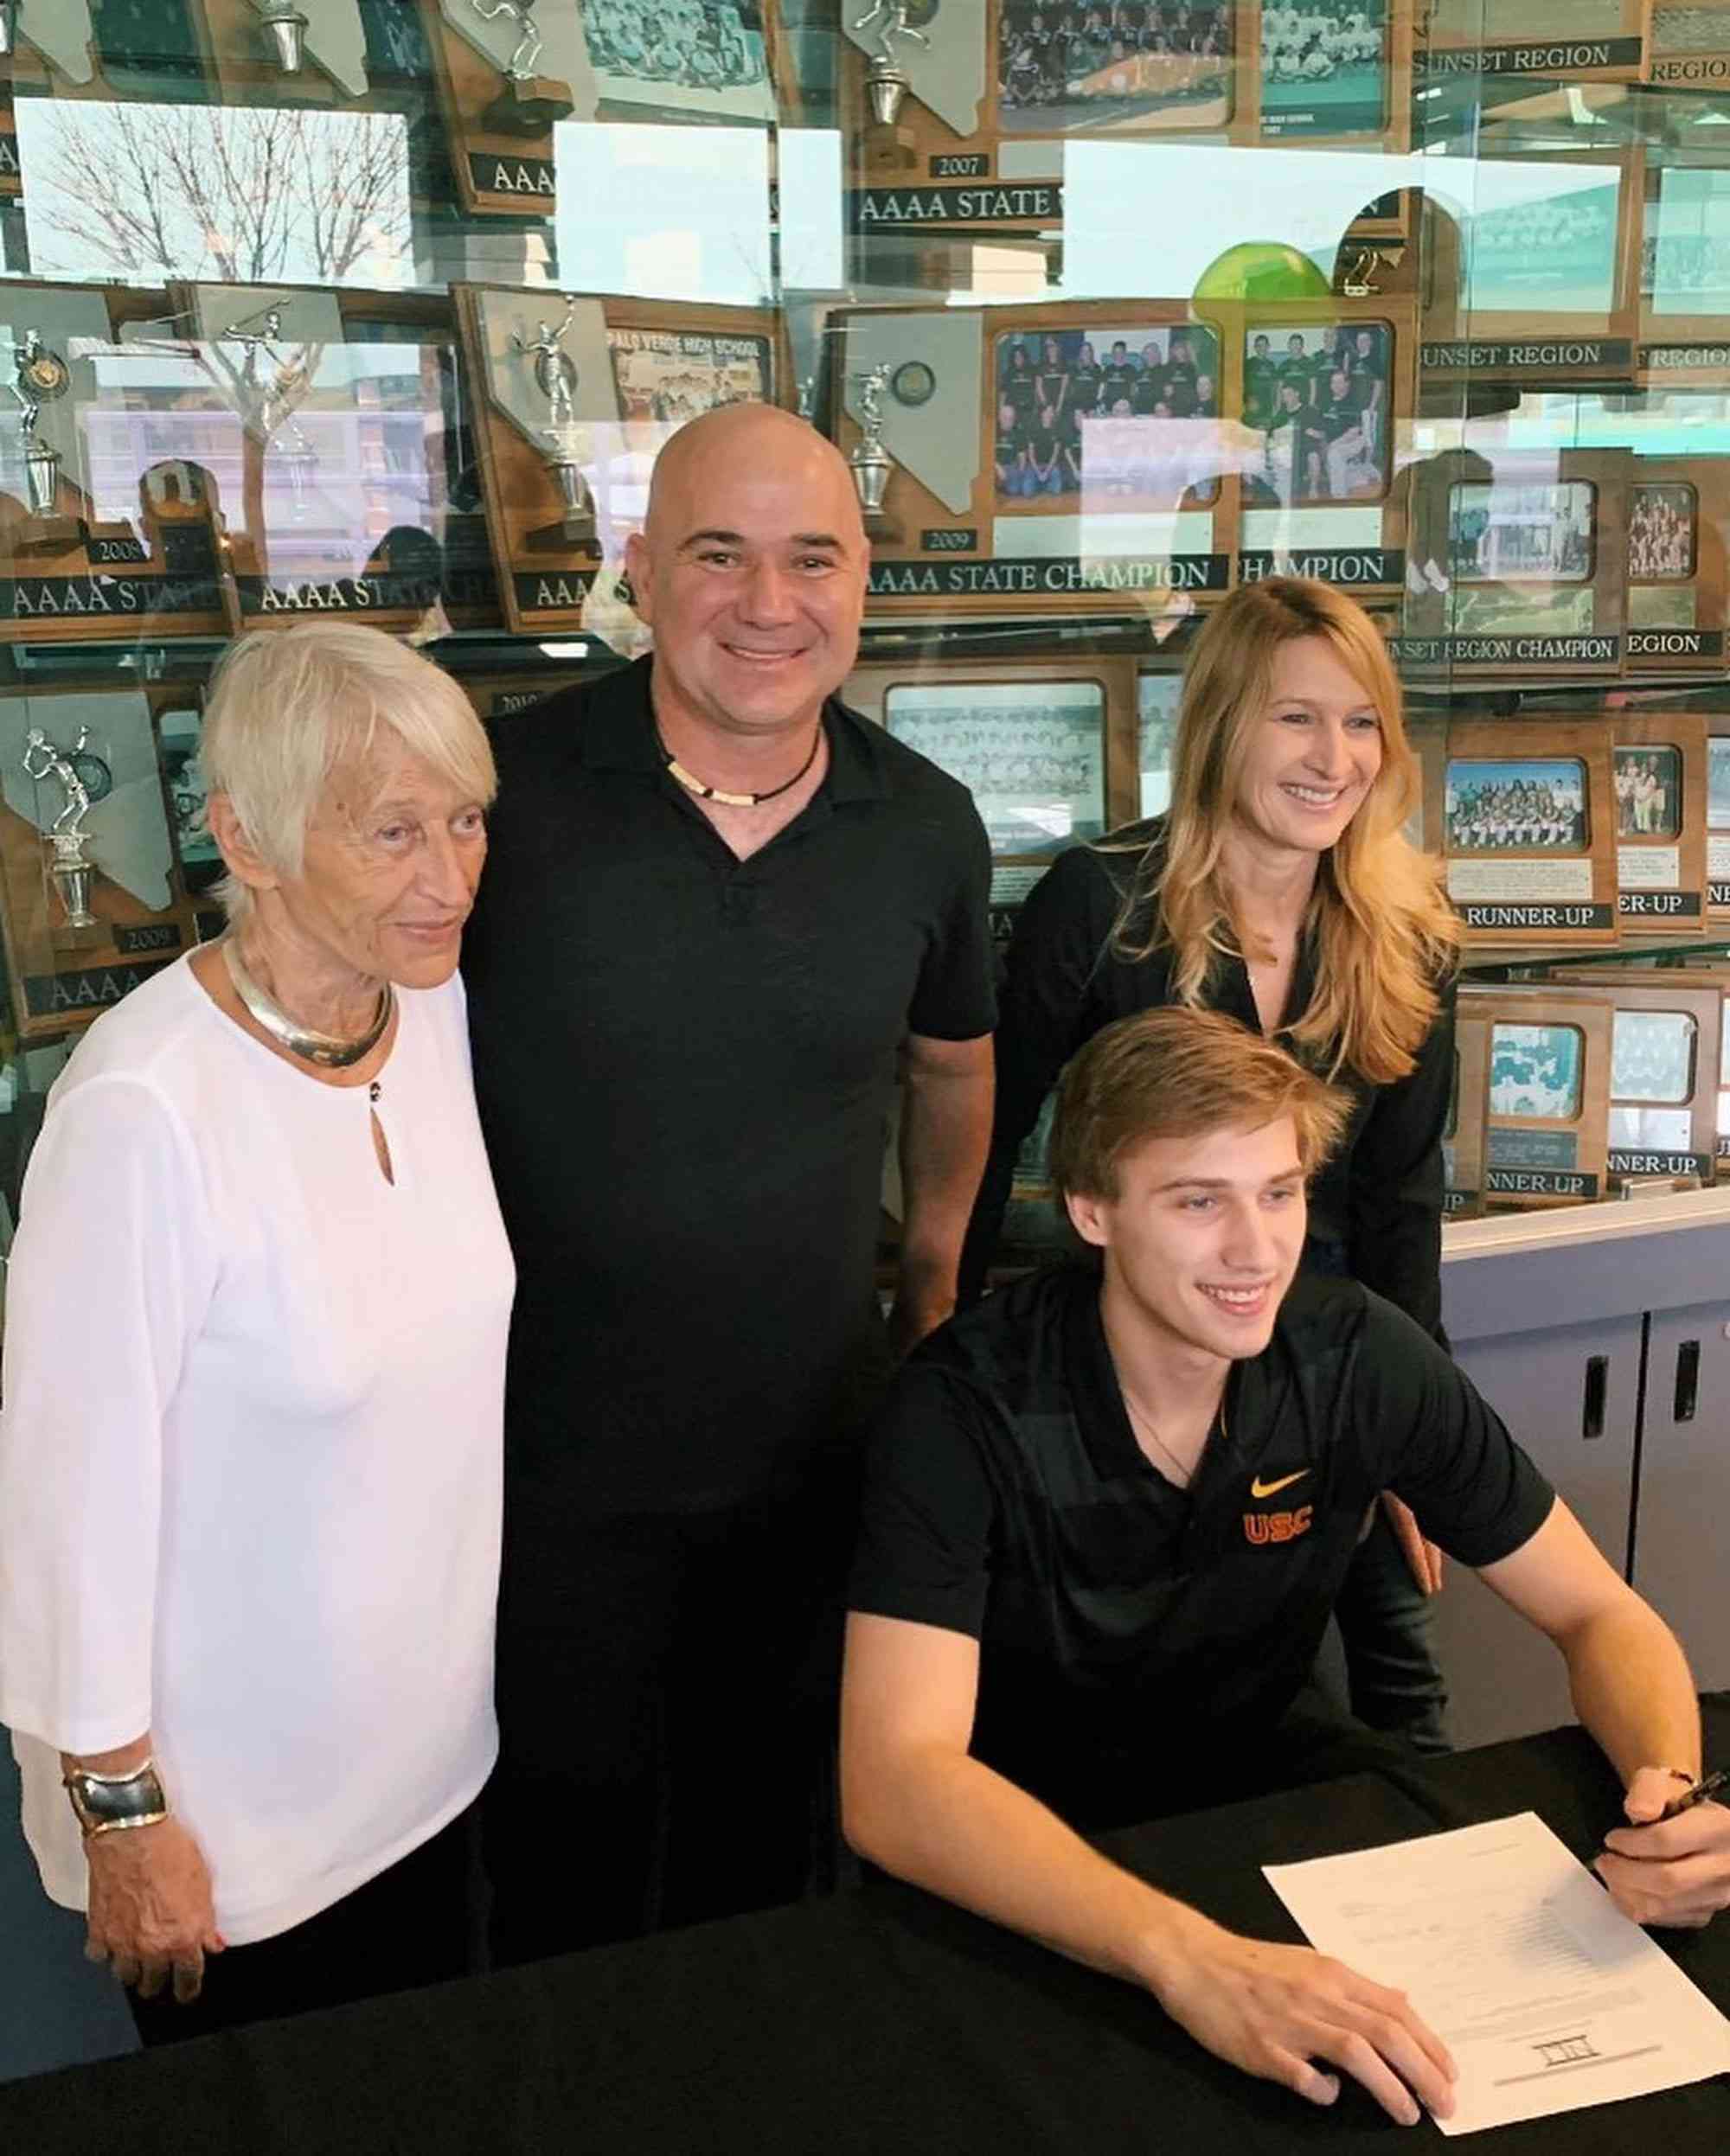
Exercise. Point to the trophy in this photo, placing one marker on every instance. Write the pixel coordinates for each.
(80, 776)
(287, 27)
(9, 28)
(41, 377)
(870, 463)
(562, 438)
(887, 85)
(531, 102)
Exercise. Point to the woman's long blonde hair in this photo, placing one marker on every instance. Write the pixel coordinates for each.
(1384, 933)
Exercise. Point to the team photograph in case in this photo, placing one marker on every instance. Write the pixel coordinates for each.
(1320, 400)
(1101, 417)
(1056, 456)
(1659, 777)
(1547, 1091)
(1524, 819)
(1677, 512)
(1665, 1071)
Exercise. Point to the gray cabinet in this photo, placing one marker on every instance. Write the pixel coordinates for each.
(1573, 1326)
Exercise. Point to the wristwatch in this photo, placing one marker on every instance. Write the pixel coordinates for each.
(106, 1803)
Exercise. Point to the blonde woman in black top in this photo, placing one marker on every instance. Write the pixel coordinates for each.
(1281, 890)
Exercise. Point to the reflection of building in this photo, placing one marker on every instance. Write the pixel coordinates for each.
(336, 478)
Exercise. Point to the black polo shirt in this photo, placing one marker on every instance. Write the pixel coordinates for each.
(1130, 1631)
(684, 1063)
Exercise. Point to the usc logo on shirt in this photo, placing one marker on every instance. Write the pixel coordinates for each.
(1264, 1527)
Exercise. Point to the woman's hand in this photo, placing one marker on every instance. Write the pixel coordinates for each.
(1422, 1559)
(151, 1916)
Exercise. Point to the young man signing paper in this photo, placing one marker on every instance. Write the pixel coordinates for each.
(1105, 1518)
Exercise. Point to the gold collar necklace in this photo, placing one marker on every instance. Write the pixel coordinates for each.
(693, 784)
(326, 1049)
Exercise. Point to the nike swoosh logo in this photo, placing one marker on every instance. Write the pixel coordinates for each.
(1259, 1488)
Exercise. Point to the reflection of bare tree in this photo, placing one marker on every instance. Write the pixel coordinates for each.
(240, 195)
(236, 195)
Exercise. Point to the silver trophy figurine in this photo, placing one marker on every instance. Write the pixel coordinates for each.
(9, 28)
(887, 84)
(562, 438)
(287, 27)
(531, 101)
(39, 377)
(869, 463)
(71, 869)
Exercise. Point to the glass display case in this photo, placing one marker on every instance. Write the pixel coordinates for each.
(381, 309)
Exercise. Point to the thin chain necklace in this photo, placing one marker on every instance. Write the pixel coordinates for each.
(328, 1050)
(1138, 1415)
(693, 784)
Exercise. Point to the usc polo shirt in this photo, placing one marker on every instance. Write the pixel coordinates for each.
(1127, 1627)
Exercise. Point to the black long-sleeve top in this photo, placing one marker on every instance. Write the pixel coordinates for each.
(1379, 1197)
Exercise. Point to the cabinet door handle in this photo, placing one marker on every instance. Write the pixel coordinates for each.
(1596, 1382)
(1687, 1381)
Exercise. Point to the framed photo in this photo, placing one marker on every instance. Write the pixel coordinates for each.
(1516, 563)
(1522, 816)
(1545, 281)
(1665, 1070)
(1047, 749)
(573, 395)
(1718, 819)
(1340, 77)
(1715, 973)
(1658, 774)
(1677, 590)
(1547, 1091)
(1689, 47)
(1602, 40)
(1463, 1138)
(1685, 267)
(1038, 459)
(94, 898)
(1322, 396)
(108, 527)
(1158, 692)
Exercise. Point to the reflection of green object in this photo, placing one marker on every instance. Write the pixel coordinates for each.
(1262, 269)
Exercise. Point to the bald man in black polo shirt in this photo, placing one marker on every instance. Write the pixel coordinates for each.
(720, 908)
(1106, 1515)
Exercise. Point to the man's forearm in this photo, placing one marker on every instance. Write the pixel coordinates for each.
(1633, 1691)
(960, 1830)
(945, 1129)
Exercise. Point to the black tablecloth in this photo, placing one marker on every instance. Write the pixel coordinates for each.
(878, 2022)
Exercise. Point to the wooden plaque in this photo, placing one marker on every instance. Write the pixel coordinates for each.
(1548, 285)
(1678, 585)
(1121, 500)
(634, 370)
(1547, 1096)
(502, 695)
(973, 141)
(1523, 817)
(1516, 564)
(1601, 41)
(1658, 774)
(1718, 821)
(63, 974)
(1689, 47)
(110, 537)
(1318, 399)
(1462, 1139)
(1715, 972)
(1665, 1070)
(1046, 746)
(1685, 268)
(334, 413)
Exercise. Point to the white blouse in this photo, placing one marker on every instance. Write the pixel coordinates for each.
(250, 1449)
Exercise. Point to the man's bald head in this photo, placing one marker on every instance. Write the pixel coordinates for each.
(751, 569)
(741, 438)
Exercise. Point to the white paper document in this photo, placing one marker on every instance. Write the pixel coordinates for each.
(1549, 1999)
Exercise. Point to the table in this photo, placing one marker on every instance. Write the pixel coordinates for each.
(880, 2021)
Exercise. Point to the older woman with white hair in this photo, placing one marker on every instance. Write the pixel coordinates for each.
(254, 1362)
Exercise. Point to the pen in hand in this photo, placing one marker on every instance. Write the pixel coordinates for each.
(1695, 1792)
